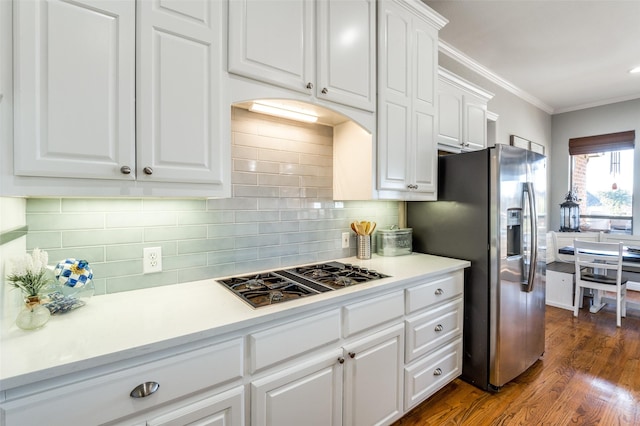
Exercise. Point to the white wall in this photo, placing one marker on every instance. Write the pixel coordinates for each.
(605, 119)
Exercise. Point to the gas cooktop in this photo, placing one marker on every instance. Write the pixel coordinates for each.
(289, 284)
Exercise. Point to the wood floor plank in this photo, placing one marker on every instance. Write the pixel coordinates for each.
(589, 375)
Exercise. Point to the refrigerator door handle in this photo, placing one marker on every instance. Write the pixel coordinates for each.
(533, 258)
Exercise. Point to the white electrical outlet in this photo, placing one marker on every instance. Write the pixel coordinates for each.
(345, 240)
(152, 260)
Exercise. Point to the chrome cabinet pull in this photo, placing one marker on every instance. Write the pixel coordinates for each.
(352, 355)
(125, 170)
(309, 85)
(439, 291)
(147, 170)
(437, 372)
(438, 327)
(144, 390)
(341, 360)
(325, 91)
(411, 186)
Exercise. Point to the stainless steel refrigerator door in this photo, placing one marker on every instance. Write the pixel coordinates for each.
(509, 296)
(537, 175)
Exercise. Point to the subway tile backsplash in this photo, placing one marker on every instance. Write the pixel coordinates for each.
(281, 214)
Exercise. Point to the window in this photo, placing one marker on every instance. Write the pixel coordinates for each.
(602, 175)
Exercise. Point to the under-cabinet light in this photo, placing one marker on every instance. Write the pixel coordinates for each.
(283, 111)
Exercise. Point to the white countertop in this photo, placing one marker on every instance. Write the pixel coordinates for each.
(120, 326)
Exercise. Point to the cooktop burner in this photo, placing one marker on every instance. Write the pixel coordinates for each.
(337, 275)
(280, 286)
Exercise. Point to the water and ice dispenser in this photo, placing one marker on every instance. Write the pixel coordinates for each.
(514, 232)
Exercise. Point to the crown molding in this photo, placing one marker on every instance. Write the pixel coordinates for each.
(417, 6)
(455, 54)
(460, 82)
(598, 103)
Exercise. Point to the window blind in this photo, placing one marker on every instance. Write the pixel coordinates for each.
(602, 143)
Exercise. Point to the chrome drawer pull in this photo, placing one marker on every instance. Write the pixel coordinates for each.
(437, 372)
(144, 390)
(439, 292)
(125, 170)
(438, 327)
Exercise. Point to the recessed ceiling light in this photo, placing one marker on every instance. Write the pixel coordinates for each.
(635, 70)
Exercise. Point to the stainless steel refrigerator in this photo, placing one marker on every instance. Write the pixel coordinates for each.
(491, 211)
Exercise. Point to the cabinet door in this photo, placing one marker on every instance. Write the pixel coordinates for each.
(180, 117)
(346, 52)
(449, 115)
(423, 154)
(407, 64)
(225, 409)
(272, 41)
(394, 98)
(475, 122)
(373, 380)
(309, 394)
(74, 88)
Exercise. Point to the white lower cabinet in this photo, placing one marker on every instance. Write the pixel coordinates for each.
(360, 363)
(309, 393)
(358, 384)
(215, 409)
(107, 398)
(431, 373)
(293, 339)
(373, 378)
(433, 326)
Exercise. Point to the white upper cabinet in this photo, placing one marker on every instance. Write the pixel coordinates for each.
(273, 41)
(346, 46)
(462, 113)
(74, 85)
(407, 65)
(179, 102)
(105, 93)
(325, 49)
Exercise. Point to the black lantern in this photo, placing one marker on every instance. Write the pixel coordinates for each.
(570, 214)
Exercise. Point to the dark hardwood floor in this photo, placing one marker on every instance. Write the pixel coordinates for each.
(589, 375)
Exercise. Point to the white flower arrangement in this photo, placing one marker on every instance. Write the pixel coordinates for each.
(29, 272)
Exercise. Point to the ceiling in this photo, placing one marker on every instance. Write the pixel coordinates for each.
(560, 55)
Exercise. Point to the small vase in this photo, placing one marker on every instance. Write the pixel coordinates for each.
(33, 315)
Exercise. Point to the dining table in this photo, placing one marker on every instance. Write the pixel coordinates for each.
(630, 268)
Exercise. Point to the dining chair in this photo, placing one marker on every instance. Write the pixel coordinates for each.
(599, 267)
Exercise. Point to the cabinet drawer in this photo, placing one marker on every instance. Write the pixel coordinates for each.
(369, 313)
(102, 399)
(436, 291)
(429, 330)
(429, 374)
(287, 341)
